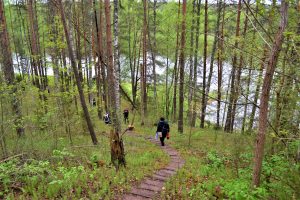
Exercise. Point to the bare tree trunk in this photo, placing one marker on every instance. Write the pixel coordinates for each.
(256, 94)
(181, 72)
(191, 68)
(204, 65)
(239, 72)
(212, 58)
(116, 50)
(8, 70)
(33, 43)
(246, 97)
(75, 70)
(196, 65)
(228, 125)
(220, 66)
(265, 95)
(78, 43)
(144, 68)
(175, 73)
(116, 142)
(101, 60)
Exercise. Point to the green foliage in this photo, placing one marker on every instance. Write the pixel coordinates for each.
(214, 169)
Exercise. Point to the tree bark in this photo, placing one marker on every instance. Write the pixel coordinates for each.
(144, 67)
(220, 66)
(117, 50)
(175, 73)
(204, 66)
(116, 142)
(212, 58)
(265, 95)
(181, 65)
(228, 124)
(77, 78)
(196, 64)
(257, 89)
(8, 70)
(191, 67)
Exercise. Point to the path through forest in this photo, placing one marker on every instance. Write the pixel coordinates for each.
(151, 187)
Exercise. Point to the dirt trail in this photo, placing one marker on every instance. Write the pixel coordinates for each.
(151, 187)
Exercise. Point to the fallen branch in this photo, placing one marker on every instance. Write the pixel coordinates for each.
(12, 157)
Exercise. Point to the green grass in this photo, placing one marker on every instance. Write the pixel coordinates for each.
(219, 165)
(78, 171)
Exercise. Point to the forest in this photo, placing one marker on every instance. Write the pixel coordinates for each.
(90, 90)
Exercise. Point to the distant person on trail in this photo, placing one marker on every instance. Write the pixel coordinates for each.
(126, 115)
(106, 118)
(163, 129)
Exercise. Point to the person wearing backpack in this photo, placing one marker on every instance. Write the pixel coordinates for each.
(106, 118)
(162, 130)
(126, 115)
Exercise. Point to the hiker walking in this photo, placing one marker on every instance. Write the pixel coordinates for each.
(126, 115)
(106, 118)
(163, 129)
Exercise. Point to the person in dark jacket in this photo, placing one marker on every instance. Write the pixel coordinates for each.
(126, 115)
(162, 129)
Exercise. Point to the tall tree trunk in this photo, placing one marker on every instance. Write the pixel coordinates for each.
(246, 97)
(193, 123)
(78, 42)
(77, 78)
(8, 70)
(144, 67)
(239, 71)
(175, 73)
(220, 66)
(33, 43)
(265, 95)
(212, 58)
(100, 54)
(228, 124)
(257, 89)
(249, 78)
(117, 50)
(181, 72)
(191, 67)
(153, 50)
(204, 66)
(116, 142)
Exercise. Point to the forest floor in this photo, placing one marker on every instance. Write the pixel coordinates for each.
(151, 186)
(217, 165)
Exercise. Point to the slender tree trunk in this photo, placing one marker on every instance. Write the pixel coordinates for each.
(204, 66)
(8, 70)
(228, 124)
(220, 66)
(191, 67)
(167, 81)
(256, 94)
(246, 97)
(153, 50)
(78, 44)
(239, 71)
(265, 95)
(181, 72)
(33, 43)
(144, 68)
(212, 58)
(193, 123)
(77, 78)
(116, 50)
(174, 111)
(116, 142)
